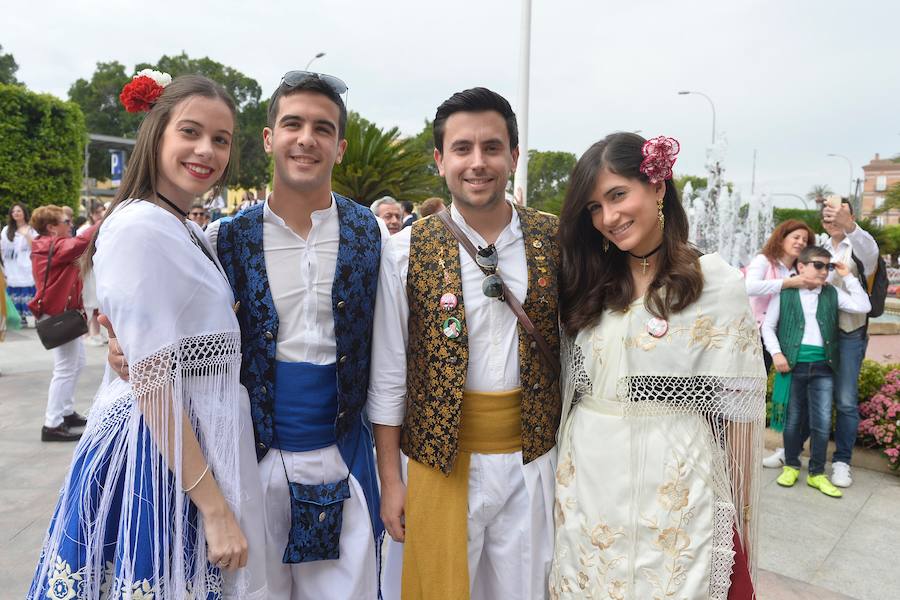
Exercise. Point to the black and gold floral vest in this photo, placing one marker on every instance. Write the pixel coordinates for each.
(436, 364)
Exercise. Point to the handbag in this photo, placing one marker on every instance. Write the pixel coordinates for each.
(62, 328)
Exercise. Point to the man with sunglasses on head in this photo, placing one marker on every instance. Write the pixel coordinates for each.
(800, 331)
(458, 385)
(304, 269)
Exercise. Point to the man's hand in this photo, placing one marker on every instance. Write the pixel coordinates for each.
(841, 269)
(393, 504)
(781, 363)
(115, 357)
(840, 217)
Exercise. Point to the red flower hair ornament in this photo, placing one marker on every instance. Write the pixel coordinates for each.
(141, 93)
(659, 157)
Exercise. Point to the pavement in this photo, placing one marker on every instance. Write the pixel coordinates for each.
(811, 546)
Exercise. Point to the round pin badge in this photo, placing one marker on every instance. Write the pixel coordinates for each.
(451, 327)
(657, 327)
(543, 281)
(449, 301)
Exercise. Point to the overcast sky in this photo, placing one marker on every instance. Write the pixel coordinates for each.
(794, 80)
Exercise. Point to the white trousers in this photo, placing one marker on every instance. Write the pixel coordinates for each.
(68, 361)
(510, 530)
(355, 573)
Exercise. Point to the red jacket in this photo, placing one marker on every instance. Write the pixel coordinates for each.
(64, 282)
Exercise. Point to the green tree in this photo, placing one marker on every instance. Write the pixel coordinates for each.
(41, 148)
(891, 200)
(819, 191)
(697, 183)
(548, 178)
(103, 113)
(810, 217)
(378, 163)
(434, 185)
(8, 68)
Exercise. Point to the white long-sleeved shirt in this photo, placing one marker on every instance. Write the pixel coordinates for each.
(855, 300)
(755, 277)
(492, 326)
(859, 242)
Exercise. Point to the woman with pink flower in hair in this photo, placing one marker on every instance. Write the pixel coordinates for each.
(663, 386)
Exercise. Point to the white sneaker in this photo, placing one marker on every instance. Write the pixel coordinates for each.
(774, 460)
(840, 475)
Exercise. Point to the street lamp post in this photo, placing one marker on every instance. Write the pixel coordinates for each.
(318, 55)
(520, 178)
(711, 105)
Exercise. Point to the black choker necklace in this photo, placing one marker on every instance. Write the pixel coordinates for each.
(184, 214)
(643, 259)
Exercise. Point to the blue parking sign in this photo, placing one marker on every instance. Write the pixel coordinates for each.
(116, 166)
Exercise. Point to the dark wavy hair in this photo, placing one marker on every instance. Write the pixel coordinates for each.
(11, 226)
(477, 99)
(592, 279)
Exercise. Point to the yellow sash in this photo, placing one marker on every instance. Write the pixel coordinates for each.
(435, 554)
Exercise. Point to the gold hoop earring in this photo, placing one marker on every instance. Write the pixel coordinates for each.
(659, 215)
(605, 245)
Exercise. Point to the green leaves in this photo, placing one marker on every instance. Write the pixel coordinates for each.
(379, 163)
(548, 178)
(41, 148)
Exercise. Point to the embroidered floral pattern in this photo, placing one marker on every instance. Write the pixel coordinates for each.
(706, 334)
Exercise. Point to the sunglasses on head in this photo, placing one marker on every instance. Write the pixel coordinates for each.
(488, 259)
(294, 78)
(819, 265)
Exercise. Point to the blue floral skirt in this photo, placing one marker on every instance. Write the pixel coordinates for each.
(21, 296)
(96, 549)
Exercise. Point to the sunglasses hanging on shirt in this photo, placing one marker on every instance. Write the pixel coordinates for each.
(488, 259)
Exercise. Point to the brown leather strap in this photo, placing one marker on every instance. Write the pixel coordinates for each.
(514, 305)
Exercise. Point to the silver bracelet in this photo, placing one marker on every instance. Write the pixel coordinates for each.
(199, 479)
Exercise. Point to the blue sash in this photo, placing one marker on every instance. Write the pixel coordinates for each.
(306, 406)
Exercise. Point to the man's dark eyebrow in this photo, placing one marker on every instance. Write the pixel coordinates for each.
(463, 142)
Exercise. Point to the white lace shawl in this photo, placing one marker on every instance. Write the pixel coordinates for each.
(171, 308)
(709, 363)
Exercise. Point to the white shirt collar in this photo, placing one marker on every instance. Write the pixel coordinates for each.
(815, 291)
(510, 233)
(317, 216)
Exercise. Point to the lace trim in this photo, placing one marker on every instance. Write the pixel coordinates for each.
(740, 399)
(196, 356)
(722, 560)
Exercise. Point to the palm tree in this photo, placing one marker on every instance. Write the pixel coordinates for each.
(819, 191)
(379, 163)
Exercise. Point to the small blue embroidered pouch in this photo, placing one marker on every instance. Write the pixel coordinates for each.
(317, 514)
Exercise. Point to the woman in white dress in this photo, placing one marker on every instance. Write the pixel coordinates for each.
(162, 497)
(15, 245)
(662, 392)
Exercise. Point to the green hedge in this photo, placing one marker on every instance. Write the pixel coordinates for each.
(41, 149)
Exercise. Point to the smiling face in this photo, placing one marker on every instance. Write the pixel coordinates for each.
(304, 142)
(793, 244)
(18, 215)
(625, 212)
(194, 148)
(476, 161)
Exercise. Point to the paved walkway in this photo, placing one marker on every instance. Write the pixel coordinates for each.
(811, 546)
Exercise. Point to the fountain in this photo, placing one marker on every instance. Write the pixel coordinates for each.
(720, 221)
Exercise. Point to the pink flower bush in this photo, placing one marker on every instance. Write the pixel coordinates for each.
(880, 424)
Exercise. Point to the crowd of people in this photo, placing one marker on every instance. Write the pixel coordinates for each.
(554, 407)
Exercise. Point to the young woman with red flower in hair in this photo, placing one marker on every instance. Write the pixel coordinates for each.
(157, 500)
(663, 391)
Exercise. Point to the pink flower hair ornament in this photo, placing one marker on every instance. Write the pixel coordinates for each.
(659, 156)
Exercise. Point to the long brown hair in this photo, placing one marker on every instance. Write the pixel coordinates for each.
(594, 279)
(139, 180)
(774, 245)
(12, 226)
